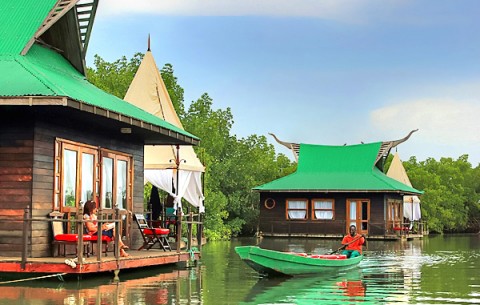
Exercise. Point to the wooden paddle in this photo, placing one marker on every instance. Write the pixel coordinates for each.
(343, 246)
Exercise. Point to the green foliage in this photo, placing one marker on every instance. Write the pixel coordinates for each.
(451, 199)
(234, 166)
(114, 77)
(147, 190)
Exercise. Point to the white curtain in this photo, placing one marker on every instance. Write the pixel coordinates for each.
(296, 214)
(324, 205)
(412, 213)
(323, 215)
(107, 183)
(162, 179)
(194, 192)
(190, 186)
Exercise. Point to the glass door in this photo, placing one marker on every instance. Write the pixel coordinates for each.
(394, 215)
(358, 214)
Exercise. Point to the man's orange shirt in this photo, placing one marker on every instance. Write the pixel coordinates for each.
(356, 245)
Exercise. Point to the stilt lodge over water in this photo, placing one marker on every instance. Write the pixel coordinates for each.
(335, 187)
(64, 141)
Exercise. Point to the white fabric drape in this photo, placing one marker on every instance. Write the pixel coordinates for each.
(190, 186)
(162, 179)
(323, 215)
(412, 213)
(324, 205)
(296, 214)
(194, 193)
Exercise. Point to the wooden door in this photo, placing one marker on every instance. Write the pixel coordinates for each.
(358, 214)
(394, 214)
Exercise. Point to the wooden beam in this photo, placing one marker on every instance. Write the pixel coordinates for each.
(85, 107)
(57, 12)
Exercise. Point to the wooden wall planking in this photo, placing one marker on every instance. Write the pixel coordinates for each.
(27, 141)
(273, 221)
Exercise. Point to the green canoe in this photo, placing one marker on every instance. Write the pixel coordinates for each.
(269, 262)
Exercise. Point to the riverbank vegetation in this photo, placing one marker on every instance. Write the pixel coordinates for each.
(451, 202)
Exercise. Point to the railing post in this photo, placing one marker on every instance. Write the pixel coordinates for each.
(99, 234)
(26, 216)
(117, 233)
(179, 228)
(190, 229)
(200, 232)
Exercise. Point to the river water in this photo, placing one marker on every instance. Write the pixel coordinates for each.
(435, 270)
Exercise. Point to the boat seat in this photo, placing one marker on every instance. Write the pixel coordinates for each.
(329, 256)
(299, 254)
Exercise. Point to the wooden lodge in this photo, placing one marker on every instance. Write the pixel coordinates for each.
(335, 187)
(64, 141)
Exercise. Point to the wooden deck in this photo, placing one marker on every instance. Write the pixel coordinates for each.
(137, 259)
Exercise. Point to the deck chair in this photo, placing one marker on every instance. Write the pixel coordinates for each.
(152, 236)
(62, 239)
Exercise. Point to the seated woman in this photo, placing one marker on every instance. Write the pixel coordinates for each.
(90, 213)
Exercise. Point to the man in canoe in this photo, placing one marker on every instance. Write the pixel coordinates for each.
(353, 243)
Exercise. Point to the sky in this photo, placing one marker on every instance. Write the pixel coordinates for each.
(317, 71)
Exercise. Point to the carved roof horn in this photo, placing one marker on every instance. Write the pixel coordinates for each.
(383, 152)
(387, 146)
(294, 147)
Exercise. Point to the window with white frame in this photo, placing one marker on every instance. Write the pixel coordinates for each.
(323, 209)
(297, 209)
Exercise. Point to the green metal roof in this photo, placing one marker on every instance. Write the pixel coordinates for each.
(19, 21)
(44, 72)
(350, 168)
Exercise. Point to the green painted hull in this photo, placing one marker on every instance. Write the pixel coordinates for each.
(276, 263)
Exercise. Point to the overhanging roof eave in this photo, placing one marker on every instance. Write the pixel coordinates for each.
(336, 191)
(81, 106)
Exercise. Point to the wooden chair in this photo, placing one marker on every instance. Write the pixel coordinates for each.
(60, 238)
(152, 236)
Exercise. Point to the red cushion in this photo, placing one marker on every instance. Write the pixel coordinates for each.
(158, 231)
(71, 237)
(104, 238)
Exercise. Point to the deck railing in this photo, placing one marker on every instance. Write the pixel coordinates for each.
(80, 223)
(190, 219)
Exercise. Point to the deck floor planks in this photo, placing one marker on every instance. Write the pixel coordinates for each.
(136, 259)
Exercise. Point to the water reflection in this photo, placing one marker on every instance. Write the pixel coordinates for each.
(436, 270)
(157, 286)
(329, 289)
